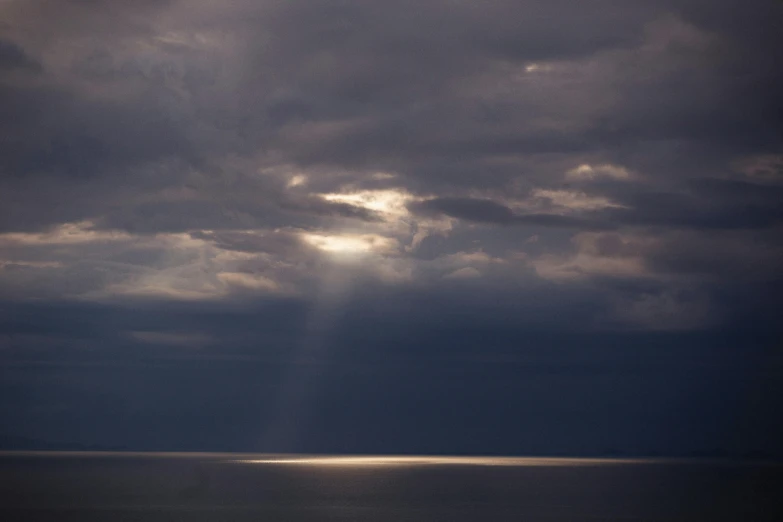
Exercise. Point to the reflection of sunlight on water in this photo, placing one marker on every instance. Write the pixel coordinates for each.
(387, 461)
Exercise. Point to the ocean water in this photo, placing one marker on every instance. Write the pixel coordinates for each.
(225, 487)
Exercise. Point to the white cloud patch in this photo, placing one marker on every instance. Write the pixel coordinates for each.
(297, 180)
(568, 200)
(538, 67)
(389, 203)
(586, 171)
(351, 244)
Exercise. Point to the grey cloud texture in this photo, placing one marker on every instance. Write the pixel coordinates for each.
(390, 161)
(172, 119)
(169, 119)
(13, 57)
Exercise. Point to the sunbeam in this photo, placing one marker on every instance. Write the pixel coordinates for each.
(301, 379)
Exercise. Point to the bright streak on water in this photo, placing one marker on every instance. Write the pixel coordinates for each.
(382, 488)
(385, 461)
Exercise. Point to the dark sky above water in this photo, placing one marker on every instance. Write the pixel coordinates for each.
(516, 227)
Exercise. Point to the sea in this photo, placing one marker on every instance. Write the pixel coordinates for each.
(87, 486)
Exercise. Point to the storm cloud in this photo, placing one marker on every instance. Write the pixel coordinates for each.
(434, 185)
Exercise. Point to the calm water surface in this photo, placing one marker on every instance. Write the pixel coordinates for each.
(117, 487)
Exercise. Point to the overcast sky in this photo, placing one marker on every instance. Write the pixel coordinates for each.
(498, 226)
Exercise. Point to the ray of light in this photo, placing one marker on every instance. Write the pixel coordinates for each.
(300, 381)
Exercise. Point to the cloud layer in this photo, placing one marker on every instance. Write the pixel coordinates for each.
(605, 169)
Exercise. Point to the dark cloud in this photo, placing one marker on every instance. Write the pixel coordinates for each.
(13, 57)
(488, 211)
(705, 203)
(457, 194)
(479, 210)
(424, 376)
(70, 135)
(338, 85)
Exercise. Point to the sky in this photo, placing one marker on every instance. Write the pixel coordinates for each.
(498, 227)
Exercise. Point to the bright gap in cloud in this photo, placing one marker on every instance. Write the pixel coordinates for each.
(297, 180)
(391, 202)
(350, 244)
(586, 171)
